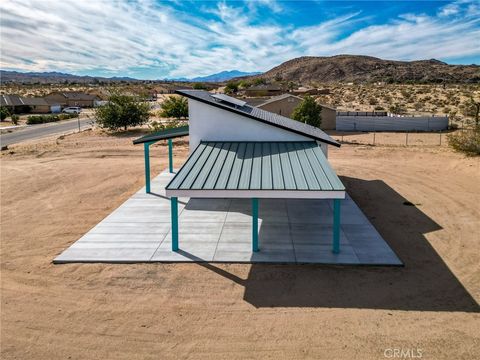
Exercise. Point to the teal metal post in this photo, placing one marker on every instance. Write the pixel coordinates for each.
(336, 226)
(170, 156)
(146, 153)
(255, 224)
(174, 207)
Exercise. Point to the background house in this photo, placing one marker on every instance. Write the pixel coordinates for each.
(37, 105)
(329, 117)
(263, 90)
(14, 104)
(71, 98)
(282, 104)
(286, 103)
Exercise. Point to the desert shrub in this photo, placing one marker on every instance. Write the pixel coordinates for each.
(122, 111)
(66, 116)
(472, 109)
(418, 106)
(244, 84)
(156, 126)
(308, 111)
(372, 101)
(231, 87)
(175, 107)
(15, 119)
(199, 86)
(259, 81)
(42, 119)
(467, 141)
(4, 113)
(397, 109)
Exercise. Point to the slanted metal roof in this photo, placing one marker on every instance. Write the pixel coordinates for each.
(11, 100)
(257, 169)
(261, 115)
(163, 135)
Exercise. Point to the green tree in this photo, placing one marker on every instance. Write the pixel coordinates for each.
(4, 113)
(175, 107)
(231, 87)
(122, 111)
(308, 111)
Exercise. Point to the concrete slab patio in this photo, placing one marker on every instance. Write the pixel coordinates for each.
(219, 230)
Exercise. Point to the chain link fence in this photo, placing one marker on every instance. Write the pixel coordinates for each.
(393, 138)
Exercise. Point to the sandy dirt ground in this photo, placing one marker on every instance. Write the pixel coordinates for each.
(54, 191)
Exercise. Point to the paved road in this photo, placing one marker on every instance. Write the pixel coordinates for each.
(44, 130)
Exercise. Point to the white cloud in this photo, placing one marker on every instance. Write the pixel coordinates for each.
(121, 37)
(450, 9)
(409, 37)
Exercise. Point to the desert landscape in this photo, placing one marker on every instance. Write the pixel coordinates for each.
(415, 99)
(240, 179)
(55, 190)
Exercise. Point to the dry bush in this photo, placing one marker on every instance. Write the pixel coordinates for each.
(467, 141)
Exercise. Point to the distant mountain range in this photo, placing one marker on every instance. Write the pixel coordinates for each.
(58, 77)
(356, 68)
(55, 77)
(302, 70)
(224, 76)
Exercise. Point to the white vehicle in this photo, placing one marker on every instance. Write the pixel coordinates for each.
(72, 110)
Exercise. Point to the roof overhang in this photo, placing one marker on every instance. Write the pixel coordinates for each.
(257, 170)
(163, 135)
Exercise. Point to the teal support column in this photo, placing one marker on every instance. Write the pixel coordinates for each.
(174, 208)
(146, 153)
(170, 156)
(255, 224)
(336, 226)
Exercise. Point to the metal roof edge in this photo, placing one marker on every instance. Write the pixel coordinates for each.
(239, 112)
(167, 134)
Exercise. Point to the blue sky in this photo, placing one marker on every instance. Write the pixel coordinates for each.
(152, 39)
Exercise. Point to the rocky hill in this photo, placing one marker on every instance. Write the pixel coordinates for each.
(353, 68)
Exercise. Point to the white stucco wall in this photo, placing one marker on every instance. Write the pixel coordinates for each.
(208, 123)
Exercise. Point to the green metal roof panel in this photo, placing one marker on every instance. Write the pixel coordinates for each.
(163, 135)
(266, 175)
(298, 166)
(216, 170)
(188, 166)
(256, 180)
(189, 180)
